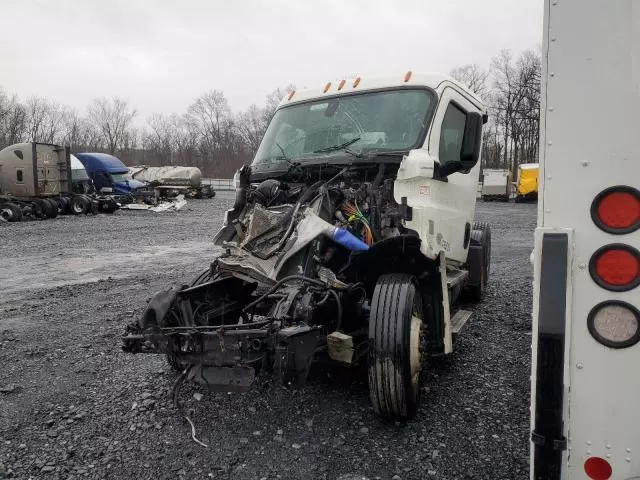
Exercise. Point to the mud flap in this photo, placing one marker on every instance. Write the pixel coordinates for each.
(223, 379)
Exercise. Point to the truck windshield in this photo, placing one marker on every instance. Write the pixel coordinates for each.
(121, 177)
(379, 121)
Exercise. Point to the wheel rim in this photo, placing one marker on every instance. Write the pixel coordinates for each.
(416, 354)
(77, 208)
(6, 213)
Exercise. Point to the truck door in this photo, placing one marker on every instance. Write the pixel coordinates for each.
(443, 210)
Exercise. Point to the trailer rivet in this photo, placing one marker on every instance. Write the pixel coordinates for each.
(608, 455)
(579, 366)
(548, 177)
(588, 442)
(589, 452)
(553, 39)
(584, 164)
(608, 447)
(628, 460)
(552, 74)
(549, 143)
(551, 109)
(582, 266)
(628, 450)
(547, 211)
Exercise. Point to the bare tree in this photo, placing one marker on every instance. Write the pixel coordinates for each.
(473, 77)
(112, 118)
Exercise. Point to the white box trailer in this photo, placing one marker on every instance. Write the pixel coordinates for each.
(496, 184)
(585, 418)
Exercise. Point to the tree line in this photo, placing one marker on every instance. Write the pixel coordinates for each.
(511, 89)
(211, 136)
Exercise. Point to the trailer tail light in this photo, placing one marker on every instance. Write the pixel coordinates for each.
(597, 468)
(614, 324)
(617, 210)
(616, 267)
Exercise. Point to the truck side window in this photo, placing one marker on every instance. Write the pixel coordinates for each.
(18, 154)
(451, 134)
(19, 176)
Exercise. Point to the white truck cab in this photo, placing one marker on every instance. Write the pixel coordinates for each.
(585, 420)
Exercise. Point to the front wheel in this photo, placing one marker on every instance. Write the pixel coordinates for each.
(396, 332)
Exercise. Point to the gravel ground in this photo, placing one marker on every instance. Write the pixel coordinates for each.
(72, 405)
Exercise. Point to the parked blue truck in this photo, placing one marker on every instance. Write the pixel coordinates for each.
(108, 172)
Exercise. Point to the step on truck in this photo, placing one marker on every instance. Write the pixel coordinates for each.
(585, 421)
(351, 239)
(37, 181)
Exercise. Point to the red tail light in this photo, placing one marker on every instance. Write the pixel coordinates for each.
(617, 210)
(616, 267)
(597, 468)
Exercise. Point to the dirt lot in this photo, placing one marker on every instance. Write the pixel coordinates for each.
(73, 405)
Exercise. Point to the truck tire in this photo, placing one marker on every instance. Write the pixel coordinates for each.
(53, 207)
(44, 209)
(10, 212)
(396, 337)
(79, 204)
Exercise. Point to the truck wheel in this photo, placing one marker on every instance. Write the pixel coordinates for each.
(79, 204)
(10, 212)
(396, 334)
(485, 241)
(109, 205)
(43, 208)
(53, 207)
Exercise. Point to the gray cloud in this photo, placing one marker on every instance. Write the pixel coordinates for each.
(162, 54)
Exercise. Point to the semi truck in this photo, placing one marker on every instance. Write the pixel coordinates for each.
(36, 182)
(496, 184)
(109, 174)
(586, 322)
(174, 180)
(351, 238)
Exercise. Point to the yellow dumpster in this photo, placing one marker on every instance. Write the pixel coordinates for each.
(527, 184)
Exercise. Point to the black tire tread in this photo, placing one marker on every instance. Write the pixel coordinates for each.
(389, 333)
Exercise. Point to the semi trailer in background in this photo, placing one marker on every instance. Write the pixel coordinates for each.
(171, 181)
(496, 184)
(36, 181)
(586, 298)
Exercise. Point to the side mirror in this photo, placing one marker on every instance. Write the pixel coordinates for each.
(471, 141)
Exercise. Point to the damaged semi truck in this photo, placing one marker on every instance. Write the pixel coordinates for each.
(352, 238)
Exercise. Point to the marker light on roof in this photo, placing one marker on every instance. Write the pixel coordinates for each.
(327, 87)
(341, 84)
(597, 468)
(407, 76)
(356, 82)
(616, 267)
(614, 324)
(291, 94)
(617, 210)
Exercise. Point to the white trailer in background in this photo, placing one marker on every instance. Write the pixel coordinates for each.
(585, 402)
(496, 184)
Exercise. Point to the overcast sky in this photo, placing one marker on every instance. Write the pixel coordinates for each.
(161, 55)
